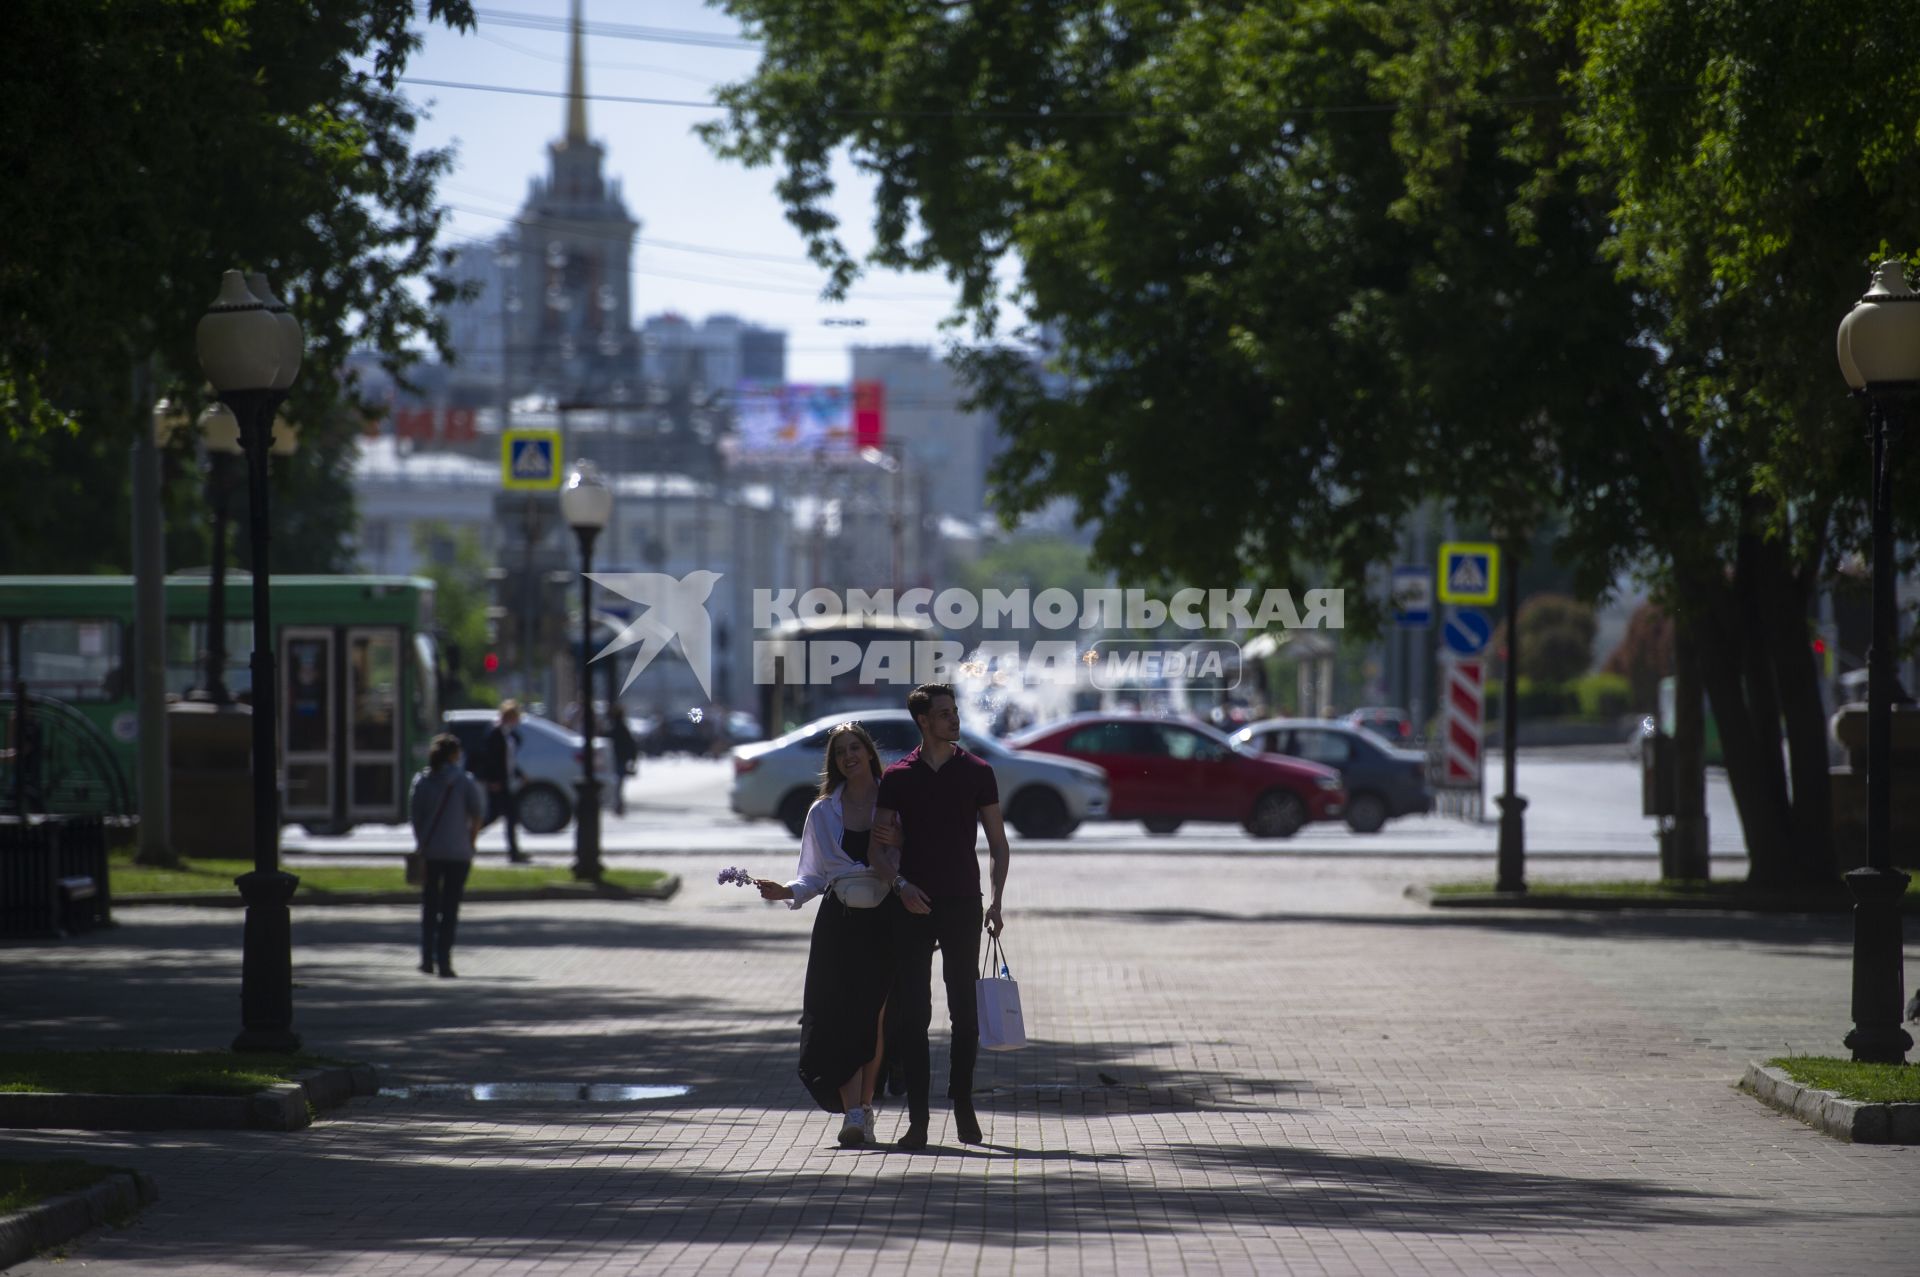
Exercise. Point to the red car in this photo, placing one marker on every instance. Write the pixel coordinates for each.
(1166, 771)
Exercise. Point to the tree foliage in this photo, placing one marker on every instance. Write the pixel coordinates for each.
(1299, 264)
(1644, 655)
(148, 147)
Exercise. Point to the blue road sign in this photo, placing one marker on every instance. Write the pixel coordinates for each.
(1467, 631)
(1413, 596)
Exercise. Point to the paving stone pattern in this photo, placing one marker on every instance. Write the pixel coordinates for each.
(1307, 1075)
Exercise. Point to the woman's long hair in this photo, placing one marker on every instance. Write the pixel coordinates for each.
(830, 777)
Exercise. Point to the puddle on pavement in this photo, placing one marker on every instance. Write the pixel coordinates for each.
(537, 1092)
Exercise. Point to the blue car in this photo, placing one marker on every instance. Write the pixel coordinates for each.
(1382, 781)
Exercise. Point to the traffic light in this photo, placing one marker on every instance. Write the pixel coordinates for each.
(490, 662)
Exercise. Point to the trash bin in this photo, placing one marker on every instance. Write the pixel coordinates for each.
(1656, 775)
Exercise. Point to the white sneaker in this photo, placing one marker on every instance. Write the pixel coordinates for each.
(855, 1130)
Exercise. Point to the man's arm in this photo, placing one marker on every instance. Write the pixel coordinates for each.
(996, 848)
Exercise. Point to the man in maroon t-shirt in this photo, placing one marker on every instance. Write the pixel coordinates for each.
(938, 794)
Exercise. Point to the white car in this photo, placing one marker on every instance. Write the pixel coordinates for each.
(1042, 796)
(549, 757)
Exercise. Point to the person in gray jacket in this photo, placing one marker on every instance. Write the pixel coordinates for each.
(448, 807)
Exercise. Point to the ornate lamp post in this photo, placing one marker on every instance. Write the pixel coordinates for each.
(586, 503)
(1879, 349)
(250, 350)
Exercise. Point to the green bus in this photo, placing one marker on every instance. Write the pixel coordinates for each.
(359, 684)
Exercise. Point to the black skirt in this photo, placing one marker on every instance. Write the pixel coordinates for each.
(849, 970)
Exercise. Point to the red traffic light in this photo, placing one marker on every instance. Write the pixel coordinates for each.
(1819, 647)
(491, 662)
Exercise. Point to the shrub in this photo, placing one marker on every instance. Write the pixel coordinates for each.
(1603, 695)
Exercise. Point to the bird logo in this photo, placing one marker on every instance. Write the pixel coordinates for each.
(671, 608)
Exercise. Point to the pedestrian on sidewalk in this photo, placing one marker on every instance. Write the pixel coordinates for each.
(936, 797)
(845, 861)
(447, 807)
(498, 768)
(626, 754)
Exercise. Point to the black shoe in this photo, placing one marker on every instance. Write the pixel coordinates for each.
(915, 1139)
(446, 971)
(966, 1124)
(519, 858)
(426, 966)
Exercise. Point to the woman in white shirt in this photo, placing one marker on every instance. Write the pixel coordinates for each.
(853, 868)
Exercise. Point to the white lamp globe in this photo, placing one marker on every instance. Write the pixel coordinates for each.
(586, 501)
(1879, 340)
(293, 342)
(238, 341)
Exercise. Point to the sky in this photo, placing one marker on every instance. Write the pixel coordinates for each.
(713, 237)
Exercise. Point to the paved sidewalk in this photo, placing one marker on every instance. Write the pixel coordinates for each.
(1309, 1074)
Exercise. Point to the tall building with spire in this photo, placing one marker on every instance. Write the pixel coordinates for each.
(555, 313)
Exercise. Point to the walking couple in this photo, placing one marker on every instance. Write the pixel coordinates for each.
(891, 856)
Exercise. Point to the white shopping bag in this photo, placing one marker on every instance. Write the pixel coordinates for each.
(997, 998)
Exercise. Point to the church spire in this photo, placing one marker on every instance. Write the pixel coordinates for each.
(577, 85)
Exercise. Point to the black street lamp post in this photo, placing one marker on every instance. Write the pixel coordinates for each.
(250, 348)
(1511, 863)
(1879, 349)
(220, 434)
(586, 503)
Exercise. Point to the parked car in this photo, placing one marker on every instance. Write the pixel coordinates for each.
(1382, 781)
(549, 756)
(1167, 771)
(1394, 726)
(1041, 797)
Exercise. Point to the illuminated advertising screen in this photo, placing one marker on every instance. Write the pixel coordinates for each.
(775, 420)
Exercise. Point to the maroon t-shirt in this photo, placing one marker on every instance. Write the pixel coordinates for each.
(939, 811)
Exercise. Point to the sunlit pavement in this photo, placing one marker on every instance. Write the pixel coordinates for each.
(1242, 1063)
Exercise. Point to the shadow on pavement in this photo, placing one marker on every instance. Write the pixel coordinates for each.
(1775, 929)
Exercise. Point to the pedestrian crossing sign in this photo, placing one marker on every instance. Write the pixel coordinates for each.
(1469, 572)
(530, 460)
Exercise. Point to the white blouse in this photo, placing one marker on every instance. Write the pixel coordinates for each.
(822, 858)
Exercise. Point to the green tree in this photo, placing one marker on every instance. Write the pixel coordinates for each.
(1307, 262)
(152, 145)
(1556, 639)
(1645, 655)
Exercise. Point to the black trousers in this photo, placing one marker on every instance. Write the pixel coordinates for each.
(440, 891)
(502, 804)
(954, 925)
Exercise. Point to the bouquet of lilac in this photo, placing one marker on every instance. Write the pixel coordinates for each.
(738, 877)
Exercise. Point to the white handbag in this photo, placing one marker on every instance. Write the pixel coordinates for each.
(997, 999)
(861, 889)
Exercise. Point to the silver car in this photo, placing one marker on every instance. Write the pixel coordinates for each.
(1042, 796)
(549, 757)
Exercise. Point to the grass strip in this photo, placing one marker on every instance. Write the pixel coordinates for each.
(24, 1184)
(1731, 890)
(130, 879)
(150, 1072)
(1872, 1083)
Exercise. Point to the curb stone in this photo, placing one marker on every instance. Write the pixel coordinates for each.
(287, 1106)
(25, 1233)
(1545, 897)
(232, 899)
(1855, 1121)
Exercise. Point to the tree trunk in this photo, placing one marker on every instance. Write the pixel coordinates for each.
(1787, 612)
(1750, 744)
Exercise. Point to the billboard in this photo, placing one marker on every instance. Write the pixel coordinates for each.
(773, 419)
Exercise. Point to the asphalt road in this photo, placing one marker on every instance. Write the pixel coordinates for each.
(1584, 803)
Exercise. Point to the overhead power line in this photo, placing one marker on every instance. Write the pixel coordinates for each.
(615, 30)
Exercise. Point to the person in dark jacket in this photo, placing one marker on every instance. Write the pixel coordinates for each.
(498, 770)
(446, 806)
(626, 755)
